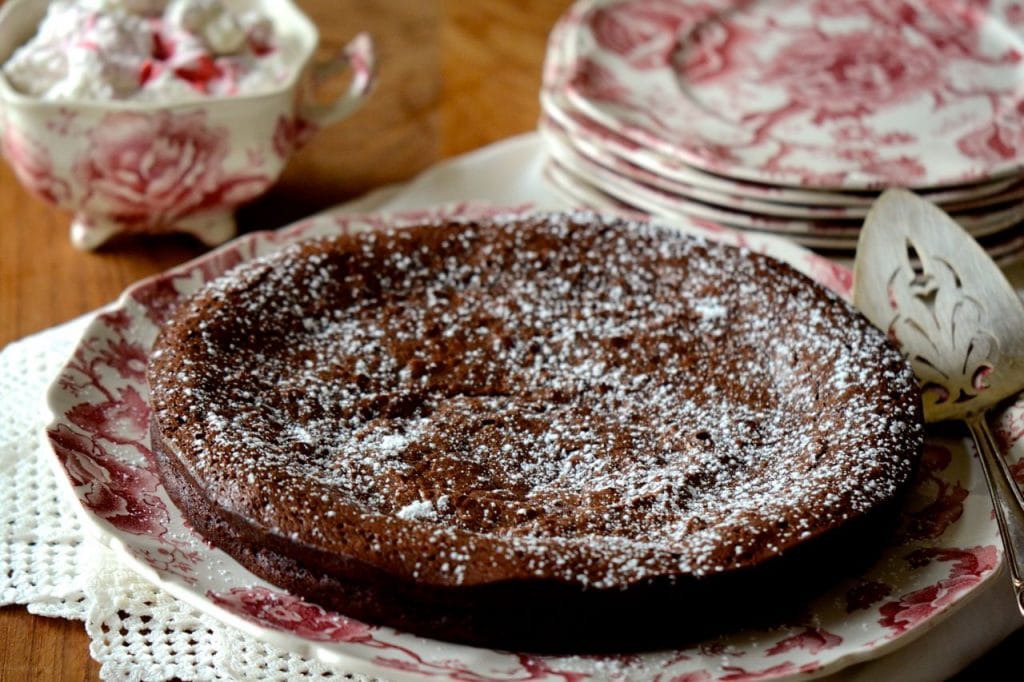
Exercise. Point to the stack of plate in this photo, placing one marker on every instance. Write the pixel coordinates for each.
(789, 116)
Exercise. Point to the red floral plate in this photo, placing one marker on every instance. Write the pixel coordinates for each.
(683, 177)
(1006, 247)
(947, 547)
(646, 191)
(852, 94)
(978, 204)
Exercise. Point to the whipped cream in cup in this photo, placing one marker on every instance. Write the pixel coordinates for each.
(151, 50)
(153, 116)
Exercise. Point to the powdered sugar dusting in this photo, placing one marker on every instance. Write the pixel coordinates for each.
(417, 510)
(579, 397)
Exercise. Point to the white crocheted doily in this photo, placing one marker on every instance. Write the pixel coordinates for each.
(137, 630)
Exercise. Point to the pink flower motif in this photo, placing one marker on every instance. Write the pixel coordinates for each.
(811, 640)
(899, 170)
(953, 28)
(709, 53)
(967, 569)
(290, 134)
(595, 81)
(645, 32)
(121, 494)
(946, 504)
(124, 420)
(992, 143)
(852, 74)
(147, 170)
(162, 296)
(858, 132)
(828, 273)
(282, 611)
(32, 164)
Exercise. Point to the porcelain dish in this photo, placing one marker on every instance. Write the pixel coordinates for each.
(772, 117)
(124, 166)
(946, 550)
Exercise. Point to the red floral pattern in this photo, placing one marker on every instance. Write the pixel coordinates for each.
(944, 498)
(290, 134)
(148, 170)
(644, 31)
(597, 81)
(765, 92)
(852, 74)
(282, 611)
(118, 493)
(31, 163)
(992, 143)
(967, 568)
(812, 640)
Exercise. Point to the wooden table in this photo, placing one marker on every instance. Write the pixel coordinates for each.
(454, 76)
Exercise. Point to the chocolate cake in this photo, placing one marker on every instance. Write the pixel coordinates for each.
(556, 432)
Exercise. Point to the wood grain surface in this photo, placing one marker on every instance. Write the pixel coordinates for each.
(454, 75)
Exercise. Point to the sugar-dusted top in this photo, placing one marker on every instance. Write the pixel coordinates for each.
(562, 396)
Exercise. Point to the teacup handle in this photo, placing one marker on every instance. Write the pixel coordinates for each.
(358, 56)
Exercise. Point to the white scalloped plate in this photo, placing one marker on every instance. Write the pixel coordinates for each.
(100, 435)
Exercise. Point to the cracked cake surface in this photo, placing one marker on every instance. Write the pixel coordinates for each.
(470, 415)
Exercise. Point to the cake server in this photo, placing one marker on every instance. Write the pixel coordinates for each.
(923, 280)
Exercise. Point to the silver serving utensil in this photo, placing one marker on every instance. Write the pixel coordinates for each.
(926, 282)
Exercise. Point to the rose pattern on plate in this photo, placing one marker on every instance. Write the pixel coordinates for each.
(967, 568)
(282, 611)
(812, 640)
(98, 437)
(992, 143)
(938, 501)
(100, 443)
(601, 82)
(644, 32)
(851, 74)
(765, 91)
(147, 171)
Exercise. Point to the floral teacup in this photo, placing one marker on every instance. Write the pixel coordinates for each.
(178, 166)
